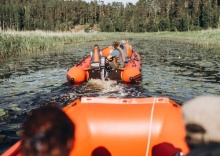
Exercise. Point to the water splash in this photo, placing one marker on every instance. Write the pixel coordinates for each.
(105, 87)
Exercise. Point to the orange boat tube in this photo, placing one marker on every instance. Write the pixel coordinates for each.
(125, 126)
(96, 66)
(78, 73)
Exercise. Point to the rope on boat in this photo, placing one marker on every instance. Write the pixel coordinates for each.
(150, 127)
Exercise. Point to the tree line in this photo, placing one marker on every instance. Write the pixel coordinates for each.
(144, 16)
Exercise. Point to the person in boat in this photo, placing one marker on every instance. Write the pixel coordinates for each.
(201, 116)
(166, 149)
(116, 57)
(47, 131)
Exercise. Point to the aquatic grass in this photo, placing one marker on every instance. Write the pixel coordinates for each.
(13, 43)
(205, 38)
(31, 43)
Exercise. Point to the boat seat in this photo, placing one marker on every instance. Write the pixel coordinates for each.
(127, 49)
(122, 56)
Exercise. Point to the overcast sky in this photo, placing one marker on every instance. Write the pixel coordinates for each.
(110, 1)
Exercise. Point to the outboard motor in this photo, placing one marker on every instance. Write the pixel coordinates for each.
(103, 72)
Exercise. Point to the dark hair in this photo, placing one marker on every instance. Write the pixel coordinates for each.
(101, 151)
(47, 129)
(115, 44)
(96, 45)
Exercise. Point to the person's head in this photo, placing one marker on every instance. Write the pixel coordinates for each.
(115, 44)
(96, 46)
(47, 131)
(101, 151)
(202, 120)
(166, 149)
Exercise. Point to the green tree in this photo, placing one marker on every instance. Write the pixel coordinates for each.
(118, 17)
(164, 24)
(106, 25)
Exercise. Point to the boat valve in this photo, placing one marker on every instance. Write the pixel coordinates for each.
(72, 79)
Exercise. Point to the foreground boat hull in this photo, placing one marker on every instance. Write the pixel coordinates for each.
(124, 126)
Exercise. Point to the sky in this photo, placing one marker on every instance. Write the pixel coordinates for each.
(110, 1)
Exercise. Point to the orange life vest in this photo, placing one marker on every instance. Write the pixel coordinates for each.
(127, 49)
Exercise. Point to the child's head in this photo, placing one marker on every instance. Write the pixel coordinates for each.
(47, 131)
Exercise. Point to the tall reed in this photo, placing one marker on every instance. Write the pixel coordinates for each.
(205, 38)
(14, 43)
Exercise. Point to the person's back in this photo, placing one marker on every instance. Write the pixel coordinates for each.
(47, 132)
(116, 56)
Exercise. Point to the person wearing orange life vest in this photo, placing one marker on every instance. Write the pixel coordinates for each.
(116, 57)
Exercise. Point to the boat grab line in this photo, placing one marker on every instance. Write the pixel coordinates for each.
(150, 127)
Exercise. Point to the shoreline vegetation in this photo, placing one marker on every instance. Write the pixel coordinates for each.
(31, 43)
(15, 44)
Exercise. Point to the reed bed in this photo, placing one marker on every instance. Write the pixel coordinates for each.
(205, 38)
(29, 43)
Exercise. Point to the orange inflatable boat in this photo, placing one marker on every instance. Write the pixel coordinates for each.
(124, 127)
(97, 66)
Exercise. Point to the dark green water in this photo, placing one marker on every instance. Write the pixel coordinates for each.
(175, 70)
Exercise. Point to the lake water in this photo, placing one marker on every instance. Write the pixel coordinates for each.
(172, 69)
